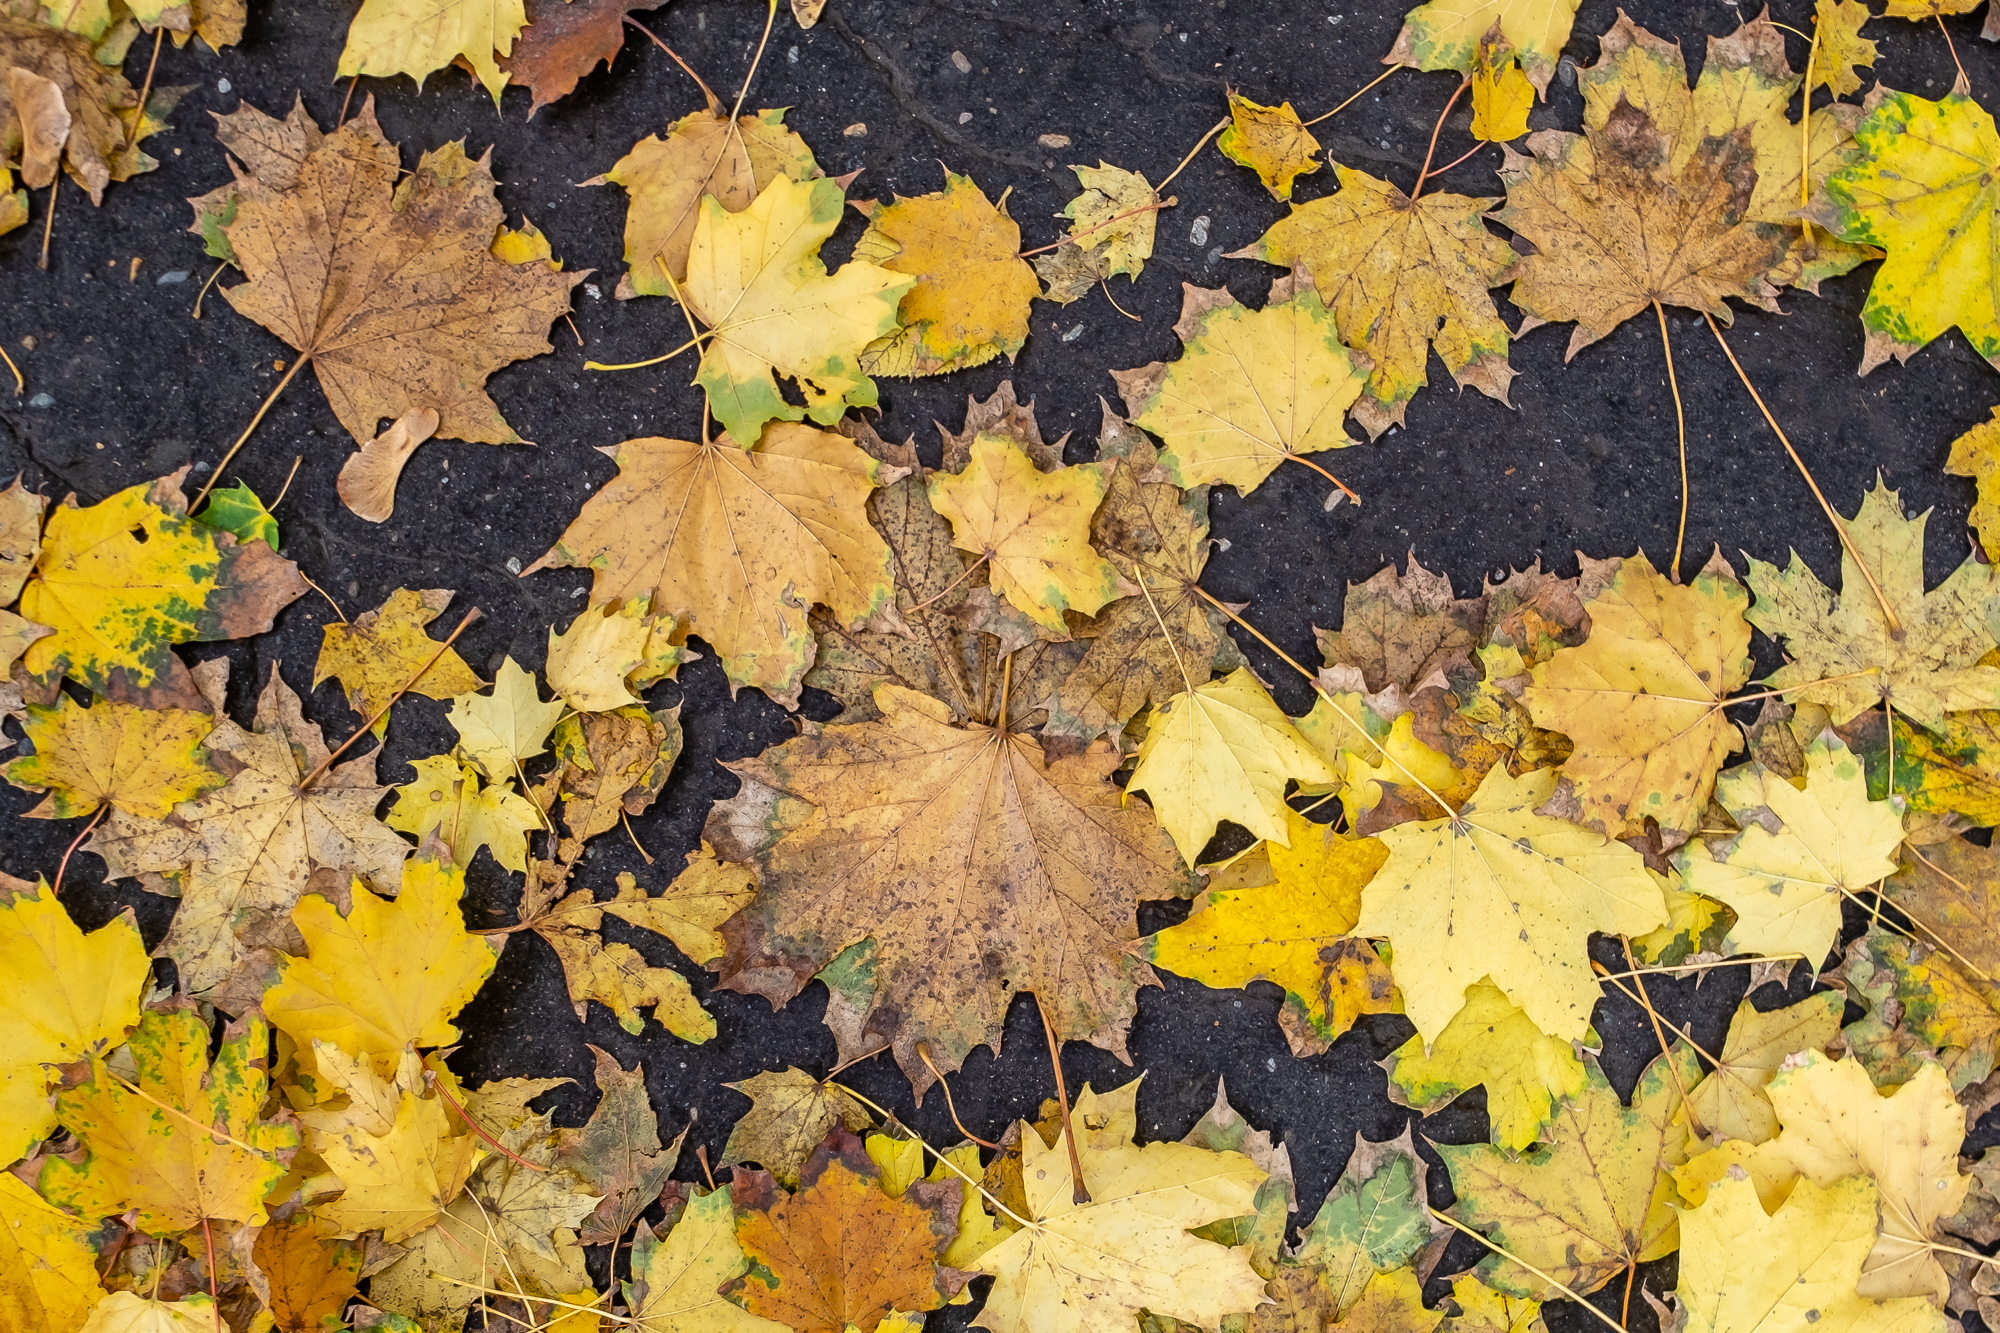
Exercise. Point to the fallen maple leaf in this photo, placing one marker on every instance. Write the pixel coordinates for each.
(129, 1312)
(1528, 888)
(311, 1279)
(617, 1152)
(1490, 1041)
(1597, 1198)
(677, 1280)
(1374, 1220)
(1921, 1008)
(1401, 276)
(1032, 529)
(1089, 1264)
(840, 1252)
(1405, 630)
(1731, 1102)
(185, 1139)
(1112, 225)
(380, 654)
(420, 37)
(1842, 48)
(1951, 890)
(1641, 697)
(1502, 95)
(1445, 34)
(48, 1265)
(76, 996)
(398, 1177)
(1270, 141)
(790, 1113)
(240, 857)
(497, 732)
(1923, 668)
(565, 41)
(589, 662)
(142, 762)
(391, 290)
(744, 542)
(1923, 169)
(970, 301)
(618, 975)
(756, 280)
(97, 104)
(910, 812)
(1251, 388)
(122, 581)
(448, 799)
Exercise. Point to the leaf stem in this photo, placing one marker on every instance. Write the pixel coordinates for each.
(145, 90)
(437, 1086)
(367, 726)
(1436, 130)
(1511, 1257)
(1079, 1193)
(735, 134)
(651, 361)
(75, 842)
(205, 286)
(1461, 158)
(20, 385)
(1301, 458)
(1680, 422)
(1840, 528)
(1964, 84)
(714, 102)
(1805, 135)
(1213, 130)
(1153, 207)
(946, 590)
(949, 1105)
(1139, 577)
(49, 223)
(946, 1162)
(244, 438)
(1744, 961)
(1328, 115)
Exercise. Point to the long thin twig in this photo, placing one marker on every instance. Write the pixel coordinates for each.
(244, 438)
(714, 102)
(1153, 207)
(74, 844)
(203, 293)
(1213, 130)
(1511, 1257)
(381, 712)
(437, 1085)
(1840, 528)
(1681, 424)
(1079, 1193)
(1678, 969)
(1963, 82)
(950, 1105)
(1436, 130)
(1328, 115)
(946, 1162)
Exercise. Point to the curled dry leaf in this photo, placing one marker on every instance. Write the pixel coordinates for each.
(1270, 141)
(367, 482)
(45, 125)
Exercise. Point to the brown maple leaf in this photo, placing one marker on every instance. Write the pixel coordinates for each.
(97, 97)
(1406, 630)
(565, 40)
(974, 865)
(391, 290)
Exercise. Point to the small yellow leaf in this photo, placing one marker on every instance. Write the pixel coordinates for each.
(384, 650)
(1271, 142)
(400, 1181)
(1842, 48)
(1490, 1041)
(1501, 98)
(141, 761)
(448, 799)
(420, 37)
(589, 661)
(129, 1312)
(497, 731)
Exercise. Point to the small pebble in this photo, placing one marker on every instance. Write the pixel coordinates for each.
(1054, 141)
(964, 117)
(42, 400)
(202, 467)
(1199, 232)
(792, 56)
(1073, 334)
(858, 130)
(170, 278)
(513, 564)
(596, 293)
(1214, 255)
(222, 85)
(960, 63)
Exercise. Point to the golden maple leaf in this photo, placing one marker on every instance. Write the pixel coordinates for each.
(756, 280)
(701, 158)
(139, 761)
(1270, 141)
(449, 799)
(1641, 697)
(1445, 34)
(684, 1271)
(392, 290)
(910, 812)
(1251, 388)
(420, 37)
(497, 732)
(1401, 276)
(744, 542)
(48, 1266)
(381, 652)
(1731, 1102)
(124, 580)
(1527, 1074)
(970, 301)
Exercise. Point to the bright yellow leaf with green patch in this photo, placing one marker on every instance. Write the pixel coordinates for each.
(388, 974)
(1924, 188)
(756, 280)
(74, 996)
(1444, 34)
(1842, 48)
(1501, 93)
(141, 761)
(970, 302)
(1976, 454)
(1641, 697)
(1926, 667)
(1597, 1198)
(1223, 750)
(1523, 890)
(1032, 529)
(48, 1266)
(1731, 1101)
(497, 731)
(384, 650)
(398, 1181)
(121, 582)
(420, 37)
(1400, 277)
(1271, 142)
(1786, 887)
(681, 1274)
(448, 799)
(1794, 1270)
(1490, 1041)
(183, 1140)
(1115, 218)
(1251, 389)
(1293, 933)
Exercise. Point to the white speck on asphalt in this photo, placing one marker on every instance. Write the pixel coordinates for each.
(1073, 334)
(1198, 233)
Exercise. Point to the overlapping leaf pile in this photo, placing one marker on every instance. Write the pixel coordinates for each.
(1482, 788)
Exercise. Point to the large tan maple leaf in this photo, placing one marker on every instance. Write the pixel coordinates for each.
(976, 869)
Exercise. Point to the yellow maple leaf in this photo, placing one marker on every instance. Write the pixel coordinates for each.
(1032, 529)
(380, 652)
(743, 541)
(1445, 34)
(1528, 889)
(140, 761)
(448, 798)
(1641, 697)
(129, 1312)
(1401, 276)
(76, 997)
(1786, 887)
(589, 661)
(1223, 750)
(1837, 29)
(1976, 454)
(683, 1272)
(1501, 94)
(420, 37)
(1293, 933)
(1793, 1270)
(1251, 388)
(48, 1266)
(398, 1181)
(497, 731)
(1731, 1101)
(1270, 141)
(756, 280)
(1115, 218)
(122, 581)
(388, 974)
(970, 301)
(185, 1138)
(1491, 1041)
(700, 158)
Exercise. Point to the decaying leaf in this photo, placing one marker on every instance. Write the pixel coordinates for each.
(564, 41)
(1374, 1220)
(677, 1281)
(1491, 1041)
(1112, 224)
(1270, 141)
(618, 1153)
(384, 651)
(97, 104)
(790, 1113)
